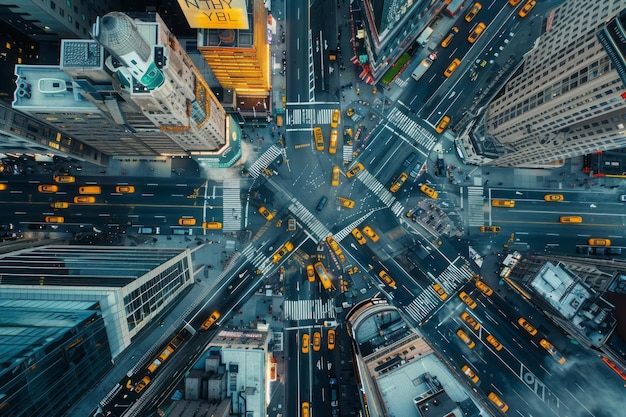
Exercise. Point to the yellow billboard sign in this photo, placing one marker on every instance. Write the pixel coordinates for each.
(215, 14)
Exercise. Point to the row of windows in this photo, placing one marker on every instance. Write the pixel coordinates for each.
(580, 101)
(151, 295)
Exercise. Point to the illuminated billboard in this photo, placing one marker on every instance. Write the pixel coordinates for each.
(215, 14)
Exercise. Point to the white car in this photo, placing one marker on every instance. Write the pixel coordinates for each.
(622, 198)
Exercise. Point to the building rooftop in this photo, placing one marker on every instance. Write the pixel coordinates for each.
(405, 377)
(41, 87)
(81, 266)
(561, 289)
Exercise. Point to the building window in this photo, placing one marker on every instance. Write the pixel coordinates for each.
(53, 5)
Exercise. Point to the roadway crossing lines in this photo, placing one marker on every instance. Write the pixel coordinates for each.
(422, 305)
(264, 161)
(413, 129)
(316, 227)
(376, 187)
(232, 205)
(340, 235)
(475, 204)
(309, 309)
(308, 116)
(348, 153)
(397, 208)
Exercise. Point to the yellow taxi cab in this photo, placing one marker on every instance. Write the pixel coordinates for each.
(305, 343)
(514, 2)
(398, 182)
(527, 326)
(59, 205)
(387, 279)
(286, 248)
(265, 213)
(594, 241)
(55, 219)
(553, 197)
(90, 189)
(443, 124)
(310, 273)
(305, 409)
(429, 191)
(186, 221)
(142, 384)
(47, 188)
(470, 374)
(552, 351)
(84, 199)
(358, 236)
(335, 176)
(332, 143)
(467, 318)
(498, 402)
(335, 120)
(211, 225)
(452, 67)
(211, 320)
(125, 189)
(64, 178)
(355, 170)
(494, 342)
(318, 137)
(465, 338)
(370, 233)
(317, 341)
(345, 202)
(483, 287)
(473, 12)
(570, 219)
(523, 12)
(503, 203)
(3, 186)
(446, 41)
(467, 299)
(440, 291)
(478, 30)
(493, 229)
(331, 339)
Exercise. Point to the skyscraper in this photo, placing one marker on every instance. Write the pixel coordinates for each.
(143, 96)
(240, 59)
(68, 311)
(567, 97)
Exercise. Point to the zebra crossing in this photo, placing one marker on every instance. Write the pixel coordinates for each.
(231, 205)
(264, 161)
(309, 309)
(376, 187)
(348, 153)
(450, 280)
(397, 208)
(414, 130)
(422, 306)
(341, 235)
(475, 206)
(316, 227)
(308, 116)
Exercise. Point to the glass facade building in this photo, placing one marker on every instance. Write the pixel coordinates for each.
(66, 312)
(130, 285)
(52, 351)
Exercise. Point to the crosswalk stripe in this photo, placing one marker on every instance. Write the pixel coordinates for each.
(231, 210)
(264, 160)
